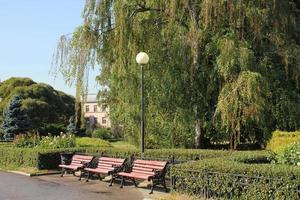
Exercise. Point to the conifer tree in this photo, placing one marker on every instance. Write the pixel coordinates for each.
(15, 121)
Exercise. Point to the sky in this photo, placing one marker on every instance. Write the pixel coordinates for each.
(29, 32)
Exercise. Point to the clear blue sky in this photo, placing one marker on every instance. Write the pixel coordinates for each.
(29, 31)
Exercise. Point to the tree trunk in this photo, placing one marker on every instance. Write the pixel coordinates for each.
(198, 134)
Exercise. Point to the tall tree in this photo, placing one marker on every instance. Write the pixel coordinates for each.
(15, 120)
(41, 103)
(214, 65)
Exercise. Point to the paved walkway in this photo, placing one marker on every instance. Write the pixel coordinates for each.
(18, 187)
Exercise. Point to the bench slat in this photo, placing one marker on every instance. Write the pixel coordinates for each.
(151, 162)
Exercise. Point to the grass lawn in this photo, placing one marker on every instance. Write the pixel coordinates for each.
(91, 142)
(122, 145)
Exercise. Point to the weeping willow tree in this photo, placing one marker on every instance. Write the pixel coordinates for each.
(218, 68)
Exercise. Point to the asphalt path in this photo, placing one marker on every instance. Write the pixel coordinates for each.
(18, 187)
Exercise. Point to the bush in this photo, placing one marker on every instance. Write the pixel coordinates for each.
(290, 155)
(50, 158)
(103, 133)
(185, 154)
(26, 141)
(62, 141)
(234, 178)
(91, 142)
(53, 129)
(280, 140)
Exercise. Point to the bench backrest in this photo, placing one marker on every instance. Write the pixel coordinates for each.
(110, 163)
(148, 166)
(78, 159)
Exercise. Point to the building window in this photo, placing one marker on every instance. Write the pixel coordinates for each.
(103, 120)
(95, 121)
(87, 108)
(103, 108)
(95, 108)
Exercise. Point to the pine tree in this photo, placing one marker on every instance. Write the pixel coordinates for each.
(72, 128)
(15, 120)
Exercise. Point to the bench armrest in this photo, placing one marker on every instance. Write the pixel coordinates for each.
(159, 173)
(86, 164)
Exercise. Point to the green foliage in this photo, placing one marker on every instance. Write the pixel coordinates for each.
(91, 142)
(50, 158)
(238, 60)
(41, 103)
(53, 129)
(103, 133)
(281, 139)
(56, 142)
(220, 176)
(15, 120)
(290, 155)
(26, 140)
(71, 128)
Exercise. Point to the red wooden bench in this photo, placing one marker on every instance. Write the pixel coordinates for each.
(150, 170)
(106, 166)
(78, 163)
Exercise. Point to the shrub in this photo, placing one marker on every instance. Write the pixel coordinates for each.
(62, 141)
(24, 140)
(234, 178)
(185, 154)
(290, 155)
(53, 129)
(103, 133)
(91, 142)
(280, 140)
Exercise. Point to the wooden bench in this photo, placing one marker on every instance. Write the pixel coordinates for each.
(150, 170)
(106, 166)
(78, 163)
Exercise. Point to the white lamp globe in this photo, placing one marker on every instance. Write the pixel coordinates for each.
(142, 58)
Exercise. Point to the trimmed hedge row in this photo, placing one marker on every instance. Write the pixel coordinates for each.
(281, 139)
(234, 178)
(49, 159)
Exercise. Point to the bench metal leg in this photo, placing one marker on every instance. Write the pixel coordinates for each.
(122, 182)
(165, 186)
(152, 187)
(62, 172)
(88, 176)
(100, 178)
(111, 181)
(80, 176)
(133, 180)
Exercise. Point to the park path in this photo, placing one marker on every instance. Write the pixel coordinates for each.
(18, 187)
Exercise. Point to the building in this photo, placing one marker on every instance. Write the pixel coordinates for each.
(95, 114)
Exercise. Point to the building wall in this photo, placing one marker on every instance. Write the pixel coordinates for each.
(96, 115)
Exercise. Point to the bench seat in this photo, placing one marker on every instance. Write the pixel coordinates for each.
(150, 170)
(73, 167)
(78, 163)
(106, 166)
(137, 175)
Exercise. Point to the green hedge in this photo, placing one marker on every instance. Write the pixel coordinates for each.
(234, 178)
(49, 159)
(281, 139)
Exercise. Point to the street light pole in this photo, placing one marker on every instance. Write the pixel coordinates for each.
(142, 111)
(142, 58)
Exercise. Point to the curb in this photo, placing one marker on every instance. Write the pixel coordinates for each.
(31, 175)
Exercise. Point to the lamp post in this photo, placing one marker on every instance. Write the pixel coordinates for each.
(142, 58)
